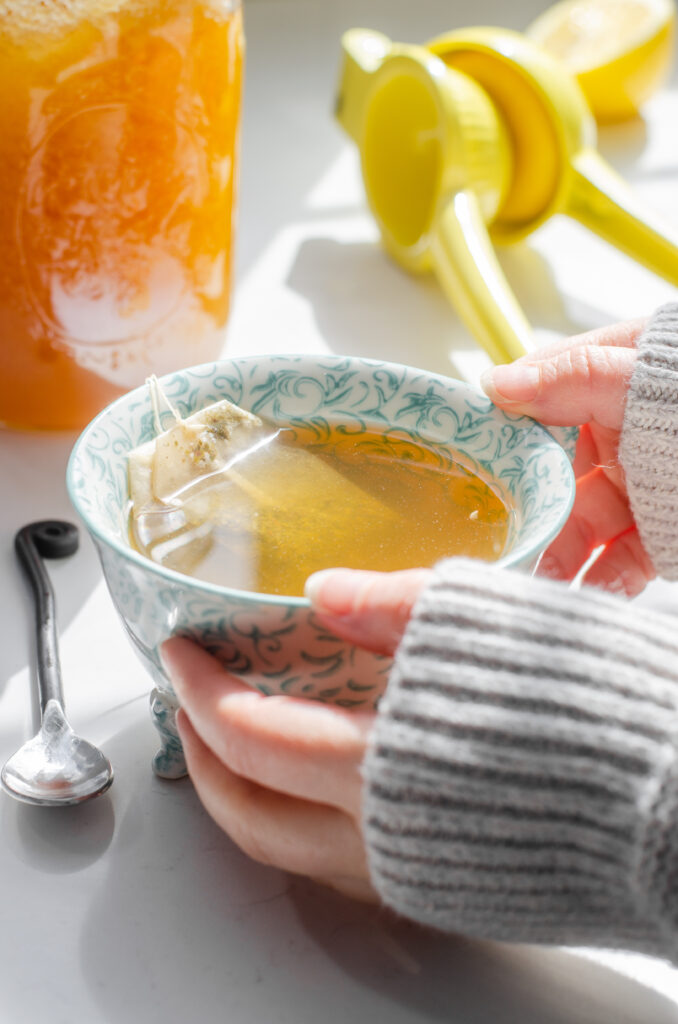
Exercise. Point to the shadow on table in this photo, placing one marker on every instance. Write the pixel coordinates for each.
(366, 305)
(182, 920)
(447, 978)
(58, 840)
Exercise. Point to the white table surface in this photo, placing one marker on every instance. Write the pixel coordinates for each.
(135, 907)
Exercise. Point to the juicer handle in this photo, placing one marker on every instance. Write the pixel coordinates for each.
(468, 270)
(602, 201)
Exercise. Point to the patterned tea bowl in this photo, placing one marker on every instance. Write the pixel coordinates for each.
(274, 642)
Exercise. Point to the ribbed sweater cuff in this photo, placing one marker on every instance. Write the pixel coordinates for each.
(522, 779)
(648, 448)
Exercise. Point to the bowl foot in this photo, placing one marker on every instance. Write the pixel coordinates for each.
(169, 762)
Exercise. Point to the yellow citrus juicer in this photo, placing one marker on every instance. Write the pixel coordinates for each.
(436, 165)
(535, 142)
(556, 167)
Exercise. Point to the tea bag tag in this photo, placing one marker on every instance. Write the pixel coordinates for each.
(191, 450)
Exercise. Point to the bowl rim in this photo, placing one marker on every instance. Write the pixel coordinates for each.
(206, 371)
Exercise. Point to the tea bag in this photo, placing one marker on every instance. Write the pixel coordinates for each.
(167, 474)
(190, 451)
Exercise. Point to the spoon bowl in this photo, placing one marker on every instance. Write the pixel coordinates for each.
(55, 767)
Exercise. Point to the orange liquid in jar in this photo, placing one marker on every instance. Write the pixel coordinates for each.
(118, 165)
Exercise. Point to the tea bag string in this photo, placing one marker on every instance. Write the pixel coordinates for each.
(158, 394)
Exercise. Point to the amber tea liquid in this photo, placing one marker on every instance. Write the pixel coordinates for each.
(293, 506)
(118, 164)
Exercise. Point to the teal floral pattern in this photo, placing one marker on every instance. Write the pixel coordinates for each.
(274, 642)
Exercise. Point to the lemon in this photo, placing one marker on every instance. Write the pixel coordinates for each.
(620, 51)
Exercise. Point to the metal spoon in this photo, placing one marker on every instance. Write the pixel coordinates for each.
(56, 767)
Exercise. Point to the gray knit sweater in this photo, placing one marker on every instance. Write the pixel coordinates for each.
(522, 778)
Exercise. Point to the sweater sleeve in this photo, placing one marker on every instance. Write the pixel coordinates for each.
(521, 782)
(649, 443)
(522, 776)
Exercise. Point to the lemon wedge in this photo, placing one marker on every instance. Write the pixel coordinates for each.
(620, 51)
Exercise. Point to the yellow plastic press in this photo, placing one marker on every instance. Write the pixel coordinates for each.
(436, 165)
(480, 137)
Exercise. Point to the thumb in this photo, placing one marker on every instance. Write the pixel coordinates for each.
(577, 385)
(370, 609)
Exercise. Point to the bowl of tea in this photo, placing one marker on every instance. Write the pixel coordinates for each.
(213, 493)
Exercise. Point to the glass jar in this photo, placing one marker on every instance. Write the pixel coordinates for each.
(119, 130)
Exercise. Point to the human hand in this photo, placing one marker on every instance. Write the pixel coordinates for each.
(583, 381)
(281, 775)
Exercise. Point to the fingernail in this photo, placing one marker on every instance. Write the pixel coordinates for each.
(165, 658)
(333, 591)
(512, 382)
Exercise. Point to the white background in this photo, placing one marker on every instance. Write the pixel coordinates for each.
(134, 907)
